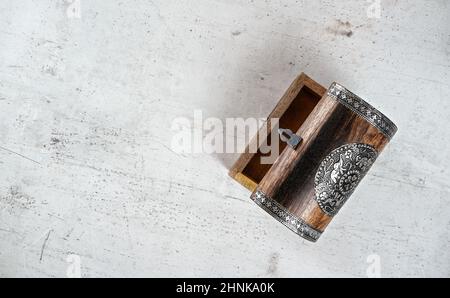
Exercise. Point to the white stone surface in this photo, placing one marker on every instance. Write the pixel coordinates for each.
(86, 106)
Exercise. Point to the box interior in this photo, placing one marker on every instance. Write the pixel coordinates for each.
(294, 116)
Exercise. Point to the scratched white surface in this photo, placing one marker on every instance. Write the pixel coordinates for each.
(86, 106)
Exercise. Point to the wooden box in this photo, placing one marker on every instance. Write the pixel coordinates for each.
(329, 140)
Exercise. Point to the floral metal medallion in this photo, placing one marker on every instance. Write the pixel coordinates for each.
(339, 174)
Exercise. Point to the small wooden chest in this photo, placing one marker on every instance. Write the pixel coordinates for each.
(329, 139)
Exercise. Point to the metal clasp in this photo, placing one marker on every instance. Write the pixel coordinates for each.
(287, 136)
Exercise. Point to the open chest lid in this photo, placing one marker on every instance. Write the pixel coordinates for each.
(292, 110)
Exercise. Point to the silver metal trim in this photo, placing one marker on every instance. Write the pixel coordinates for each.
(285, 217)
(362, 108)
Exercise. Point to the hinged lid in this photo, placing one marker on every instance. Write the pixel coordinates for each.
(292, 110)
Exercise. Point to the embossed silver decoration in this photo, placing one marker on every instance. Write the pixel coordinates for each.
(281, 214)
(339, 173)
(362, 108)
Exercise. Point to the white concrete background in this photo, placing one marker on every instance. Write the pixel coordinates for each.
(86, 106)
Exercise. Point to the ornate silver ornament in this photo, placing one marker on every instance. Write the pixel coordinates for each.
(339, 173)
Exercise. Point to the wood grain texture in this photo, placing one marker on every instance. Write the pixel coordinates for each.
(86, 107)
(290, 181)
